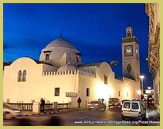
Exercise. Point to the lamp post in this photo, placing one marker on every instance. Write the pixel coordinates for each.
(114, 63)
(142, 78)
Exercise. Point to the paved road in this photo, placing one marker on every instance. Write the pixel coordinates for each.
(110, 117)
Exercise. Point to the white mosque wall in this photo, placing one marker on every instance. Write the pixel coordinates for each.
(40, 84)
(66, 83)
(21, 91)
(85, 82)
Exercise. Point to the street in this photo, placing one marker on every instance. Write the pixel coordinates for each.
(109, 117)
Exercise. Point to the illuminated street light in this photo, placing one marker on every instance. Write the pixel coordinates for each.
(139, 92)
(142, 78)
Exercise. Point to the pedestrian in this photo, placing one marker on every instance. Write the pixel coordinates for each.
(102, 100)
(42, 105)
(148, 102)
(79, 101)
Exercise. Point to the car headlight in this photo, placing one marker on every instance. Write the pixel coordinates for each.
(96, 104)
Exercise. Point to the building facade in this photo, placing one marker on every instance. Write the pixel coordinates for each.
(153, 11)
(60, 76)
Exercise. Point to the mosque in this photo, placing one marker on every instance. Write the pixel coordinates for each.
(60, 76)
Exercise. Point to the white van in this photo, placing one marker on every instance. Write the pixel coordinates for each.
(133, 109)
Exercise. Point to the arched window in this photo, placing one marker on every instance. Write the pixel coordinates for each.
(105, 79)
(78, 57)
(24, 75)
(19, 76)
(47, 57)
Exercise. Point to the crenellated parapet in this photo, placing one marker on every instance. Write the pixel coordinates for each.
(70, 72)
(127, 40)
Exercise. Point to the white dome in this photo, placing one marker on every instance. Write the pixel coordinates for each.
(60, 52)
(66, 67)
(60, 43)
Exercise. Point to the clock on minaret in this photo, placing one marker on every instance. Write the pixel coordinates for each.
(130, 55)
(128, 50)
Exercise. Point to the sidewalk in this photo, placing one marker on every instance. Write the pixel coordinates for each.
(47, 112)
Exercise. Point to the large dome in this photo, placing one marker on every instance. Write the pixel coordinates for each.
(60, 52)
(60, 43)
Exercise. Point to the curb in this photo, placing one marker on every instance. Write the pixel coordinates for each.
(49, 113)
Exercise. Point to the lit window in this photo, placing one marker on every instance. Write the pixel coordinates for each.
(19, 76)
(24, 75)
(57, 91)
(87, 92)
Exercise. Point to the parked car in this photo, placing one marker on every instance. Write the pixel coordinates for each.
(10, 113)
(96, 105)
(151, 101)
(114, 102)
(124, 101)
(133, 109)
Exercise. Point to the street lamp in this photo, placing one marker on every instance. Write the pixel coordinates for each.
(113, 63)
(141, 78)
(139, 92)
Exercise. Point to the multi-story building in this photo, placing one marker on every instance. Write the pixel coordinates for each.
(153, 11)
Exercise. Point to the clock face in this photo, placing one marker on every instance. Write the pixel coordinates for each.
(128, 50)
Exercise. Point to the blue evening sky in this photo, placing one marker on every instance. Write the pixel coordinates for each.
(95, 30)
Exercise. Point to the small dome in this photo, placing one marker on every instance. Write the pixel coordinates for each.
(60, 43)
(66, 67)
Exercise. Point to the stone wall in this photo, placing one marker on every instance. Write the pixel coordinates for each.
(153, 11)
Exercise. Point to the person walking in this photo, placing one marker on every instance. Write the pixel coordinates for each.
(148, 102)
(79, 101)
(102, 100)
(42, 105)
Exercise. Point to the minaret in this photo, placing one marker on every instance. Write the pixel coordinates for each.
(130, 55)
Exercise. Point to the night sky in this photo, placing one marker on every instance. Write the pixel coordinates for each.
(95, 30)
